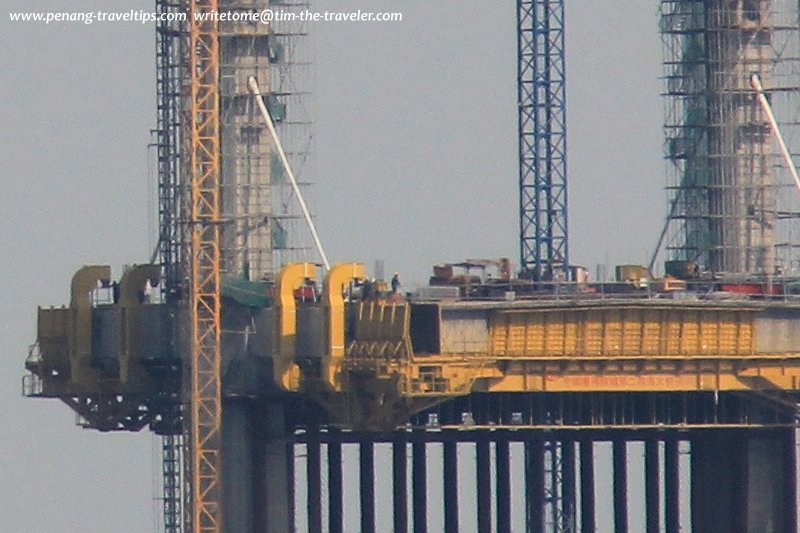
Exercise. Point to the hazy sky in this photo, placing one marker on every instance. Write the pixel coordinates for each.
(416, 162)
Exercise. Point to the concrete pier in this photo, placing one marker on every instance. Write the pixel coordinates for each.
(450, 479)
(743, 482)
(259, 456)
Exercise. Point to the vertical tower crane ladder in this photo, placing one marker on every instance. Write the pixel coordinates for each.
(542, 140)
(205, 411)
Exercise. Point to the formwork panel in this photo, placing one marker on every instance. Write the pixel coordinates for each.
(690, 333)
(631, 333)
(555, 331)
(593, 334)
(572, 332)
(652, 339)
(611, 322)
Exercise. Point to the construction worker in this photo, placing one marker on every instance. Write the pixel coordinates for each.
(395, 283)
(368, 290)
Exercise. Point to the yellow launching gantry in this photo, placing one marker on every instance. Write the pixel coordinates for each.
(385, 359)
(373, 361)
(292, 277)
(106, 355)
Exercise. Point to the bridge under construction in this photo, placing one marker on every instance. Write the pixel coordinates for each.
(243, 358)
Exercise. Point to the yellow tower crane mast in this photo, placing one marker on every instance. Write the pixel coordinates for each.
(205, 257)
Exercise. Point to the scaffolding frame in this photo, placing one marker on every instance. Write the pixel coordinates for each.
(290, 89)
(259, 234)
(729, 210)
(246, 50)
(171, 75)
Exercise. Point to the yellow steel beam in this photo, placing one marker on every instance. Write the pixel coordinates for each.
(132, 284)
(204, 181)
(337, 278)
(291, 277)
(83, 282)
(438, 375)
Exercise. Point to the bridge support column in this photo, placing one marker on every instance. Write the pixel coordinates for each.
(400, 482)
(335, 489)
(314, 479)
(652, 466)
(503, 473)
(620, 459)
(450, 475)
(272, 470)
(534, 485)
(587, 485)
(419, 475)
(743, 481)
(568, 483)
(259, 457)
(367, 480)
(672, 483)
(484, 482)
(239, 449)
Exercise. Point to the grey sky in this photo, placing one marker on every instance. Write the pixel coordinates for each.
(416, 164)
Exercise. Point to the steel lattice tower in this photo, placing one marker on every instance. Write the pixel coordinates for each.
(204, 299)
(542, 139)
(541, 100)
